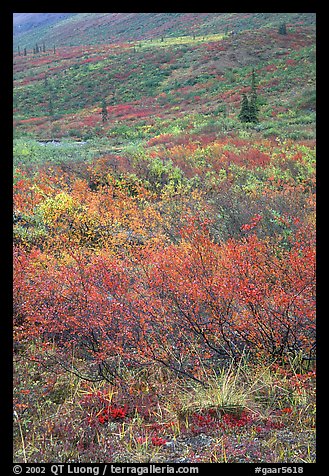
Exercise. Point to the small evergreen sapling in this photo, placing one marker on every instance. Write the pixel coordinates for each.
(283, 29)
(104, 111)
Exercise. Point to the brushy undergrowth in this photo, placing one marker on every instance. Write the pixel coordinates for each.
(244, 413)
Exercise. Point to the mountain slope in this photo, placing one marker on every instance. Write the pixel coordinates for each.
(25, 22)
(94, 28)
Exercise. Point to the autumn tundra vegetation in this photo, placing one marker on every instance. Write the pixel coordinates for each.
(164, 238)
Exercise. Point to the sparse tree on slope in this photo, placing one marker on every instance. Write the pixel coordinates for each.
(104, 111)
(283, 29)
(244, 115)
(253, 103)
(249, 107)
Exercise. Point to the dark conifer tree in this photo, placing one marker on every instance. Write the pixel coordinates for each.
(104, 111)
(244, 115)
(50, 107)
(283, 29)
(253, 103)
(249, 107)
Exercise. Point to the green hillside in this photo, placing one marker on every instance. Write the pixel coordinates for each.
(188, 80)
(96, 28)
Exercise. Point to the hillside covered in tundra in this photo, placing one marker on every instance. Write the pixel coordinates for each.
(164, 237)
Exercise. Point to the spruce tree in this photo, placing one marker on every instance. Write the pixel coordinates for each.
(244, 115)
(50, 107)
(253, 103)
(249, 107)
(283, 29)
(104, 111)
(253, 112)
